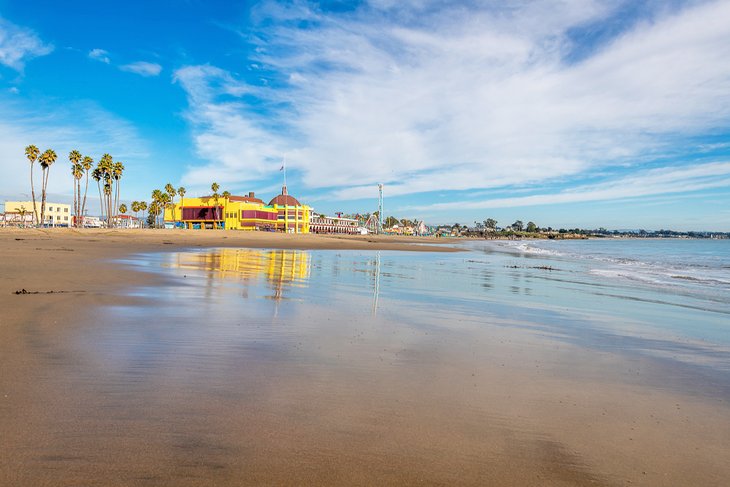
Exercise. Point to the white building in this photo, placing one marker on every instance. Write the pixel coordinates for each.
(332, 224)
(56, 214)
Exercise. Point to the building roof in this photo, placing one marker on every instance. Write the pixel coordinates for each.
(284, 199)
(246, 199)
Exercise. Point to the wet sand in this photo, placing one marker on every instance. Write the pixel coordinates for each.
(353, 404)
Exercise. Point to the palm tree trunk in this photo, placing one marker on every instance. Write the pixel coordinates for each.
(116, 204)
(76, 210)
(109, 205)
(101, 201)
(83, 205)
(32, 191)
(44, 181)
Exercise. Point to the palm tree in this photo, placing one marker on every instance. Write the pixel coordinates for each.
(154, 211)
(135, 208)
(75, 158)
(170, 190)
(108, 192)
(87, 163)
(165, 202)
(96, 175)
(117, 171)
(47, 159)
(181, 192)
(155, 204)
(103, 172)
(215, 187)
(123, 209)
(31, 152)
(77, 171)
(142, 208)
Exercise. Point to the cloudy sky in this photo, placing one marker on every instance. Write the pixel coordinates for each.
(570, 113)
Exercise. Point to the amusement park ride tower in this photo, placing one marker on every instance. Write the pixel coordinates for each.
(380, 208)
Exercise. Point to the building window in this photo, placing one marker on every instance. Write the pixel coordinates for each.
(65, 218)
(50, 208)
(65, 210)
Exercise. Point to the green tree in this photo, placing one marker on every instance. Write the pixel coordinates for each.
(46, 159)
(152, 214)
(490, 224)
(32, 152)
(518, 225)
(531, 227)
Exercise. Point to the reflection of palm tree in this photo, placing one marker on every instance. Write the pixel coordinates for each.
(376, 284)
(31, 152)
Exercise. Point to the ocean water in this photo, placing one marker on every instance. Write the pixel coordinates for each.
(661, 298)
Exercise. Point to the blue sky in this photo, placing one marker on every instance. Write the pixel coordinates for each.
(568, 113)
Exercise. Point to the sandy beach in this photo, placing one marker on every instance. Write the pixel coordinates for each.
(456, 411)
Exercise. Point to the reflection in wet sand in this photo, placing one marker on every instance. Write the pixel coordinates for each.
(280, 268)
(366, 369)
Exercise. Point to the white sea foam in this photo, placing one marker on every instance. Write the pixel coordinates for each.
(526, 248)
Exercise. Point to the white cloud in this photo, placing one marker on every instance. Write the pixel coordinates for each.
(642, 184)
(142, 68)
(75, 125)
(426, 98)
(100, 55)
(19, 44)
(238, 142)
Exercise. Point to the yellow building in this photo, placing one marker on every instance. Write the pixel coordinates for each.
(292, 216)
(240, 213)
(56, 215)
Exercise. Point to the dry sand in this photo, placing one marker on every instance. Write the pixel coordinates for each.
(527, 415)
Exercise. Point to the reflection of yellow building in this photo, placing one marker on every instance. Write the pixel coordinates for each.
(280, 268)
(284, 213)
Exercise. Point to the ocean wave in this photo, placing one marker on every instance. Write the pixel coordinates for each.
(526, 248)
